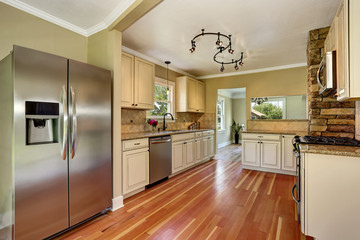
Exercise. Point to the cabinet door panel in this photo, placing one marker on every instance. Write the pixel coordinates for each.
(205, 148)
(198, 150)
(192, 91)
(270, 154)
(211, 147)
(135, 170)
(251, 152)
(127, 80)
(200, 97)
(288, 159)
(144, 84)
(177, 157)
(190, 153)
(342, 52)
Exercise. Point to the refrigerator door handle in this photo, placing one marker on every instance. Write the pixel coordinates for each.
(64, 129)
(73, 123)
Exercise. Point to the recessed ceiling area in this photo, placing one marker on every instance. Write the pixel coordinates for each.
(85, 17)
(270, 33)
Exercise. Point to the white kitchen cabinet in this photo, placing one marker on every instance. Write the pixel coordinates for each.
(270, 154)
(347, 35)
(330, 206)
(266, 152)
(177, 157)
(183, 151)
(135, 165)
(251, 152)
(190, 95)
(208, 144)
(198, 150)
(288, 160)
(189, 149)
(137, 82)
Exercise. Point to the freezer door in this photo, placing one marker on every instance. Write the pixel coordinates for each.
(90, 175)
(41, 178)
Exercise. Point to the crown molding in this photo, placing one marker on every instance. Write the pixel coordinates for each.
(254, 71)
(154, 60)
(115, 13)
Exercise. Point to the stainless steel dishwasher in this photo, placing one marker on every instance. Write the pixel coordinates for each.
(160, 158)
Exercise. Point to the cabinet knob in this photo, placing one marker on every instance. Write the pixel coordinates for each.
(135, 104)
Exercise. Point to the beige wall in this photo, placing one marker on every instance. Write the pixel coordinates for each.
(274, 83)
(23, 29)
(105, 51)
(239, 110)
(225, 136)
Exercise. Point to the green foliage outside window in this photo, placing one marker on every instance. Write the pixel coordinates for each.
(271, 111)
(162, 104)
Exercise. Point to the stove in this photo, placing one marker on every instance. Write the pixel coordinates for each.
(338, 141)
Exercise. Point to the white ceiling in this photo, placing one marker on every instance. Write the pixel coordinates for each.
(85, 17)
(270, 33)
(234, 93)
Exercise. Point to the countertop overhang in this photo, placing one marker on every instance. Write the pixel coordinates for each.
(330, 149)
(130, 136)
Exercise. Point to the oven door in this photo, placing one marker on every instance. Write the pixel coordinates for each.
(326, 74)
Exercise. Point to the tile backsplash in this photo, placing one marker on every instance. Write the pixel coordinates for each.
(133, 121)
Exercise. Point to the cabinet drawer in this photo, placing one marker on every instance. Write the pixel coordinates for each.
(260, 136)
(134, 144)
(198, 134)
(207, 133)
(179, 137)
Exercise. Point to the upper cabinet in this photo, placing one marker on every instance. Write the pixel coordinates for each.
(344, 38)
(137, 82)
(190, 95)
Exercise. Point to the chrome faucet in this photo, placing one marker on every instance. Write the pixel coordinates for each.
(172, 118)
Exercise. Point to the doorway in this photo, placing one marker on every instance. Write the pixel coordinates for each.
(230, 108)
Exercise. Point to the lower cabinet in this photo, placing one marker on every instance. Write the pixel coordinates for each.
(135, 169)
(208, 147)
(183, 155)
(268, 152)
(251, 152)
(198, 150)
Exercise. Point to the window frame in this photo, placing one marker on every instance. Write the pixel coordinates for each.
(222, 115)
(171, 84)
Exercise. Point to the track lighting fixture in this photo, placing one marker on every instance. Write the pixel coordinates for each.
(219, 43)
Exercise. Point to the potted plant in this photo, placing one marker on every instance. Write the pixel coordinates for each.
(236, 127)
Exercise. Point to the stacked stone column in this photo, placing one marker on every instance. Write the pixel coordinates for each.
(328, 117)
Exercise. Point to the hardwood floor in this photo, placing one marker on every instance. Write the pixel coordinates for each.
(215, 200)
(230, 152)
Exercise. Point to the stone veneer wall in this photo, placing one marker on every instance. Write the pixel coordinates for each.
(328, 117)
(133, 121)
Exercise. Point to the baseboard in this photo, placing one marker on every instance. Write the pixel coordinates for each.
(224, 144)
(269, 170)
(117, 203)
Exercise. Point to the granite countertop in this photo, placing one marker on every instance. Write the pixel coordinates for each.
(273, 132)
(129, 136)
(330, 149)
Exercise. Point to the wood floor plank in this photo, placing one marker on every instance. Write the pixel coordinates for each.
(215, 200)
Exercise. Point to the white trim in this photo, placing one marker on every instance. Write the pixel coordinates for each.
(117, 203)
(224, 144)
(115, 13)
(254, 71)
(155, 61)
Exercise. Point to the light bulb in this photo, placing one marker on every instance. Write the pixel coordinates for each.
(236, 67)
(231, 51)
(192, 50)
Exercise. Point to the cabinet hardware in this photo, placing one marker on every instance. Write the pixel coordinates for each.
(136, 143)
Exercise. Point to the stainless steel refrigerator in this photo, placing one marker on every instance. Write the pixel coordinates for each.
(56, 143)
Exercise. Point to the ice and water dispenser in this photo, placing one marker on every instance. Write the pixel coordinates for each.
(42, 122)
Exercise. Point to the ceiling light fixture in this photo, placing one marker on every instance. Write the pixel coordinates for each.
(221, 48)
(167, 77)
